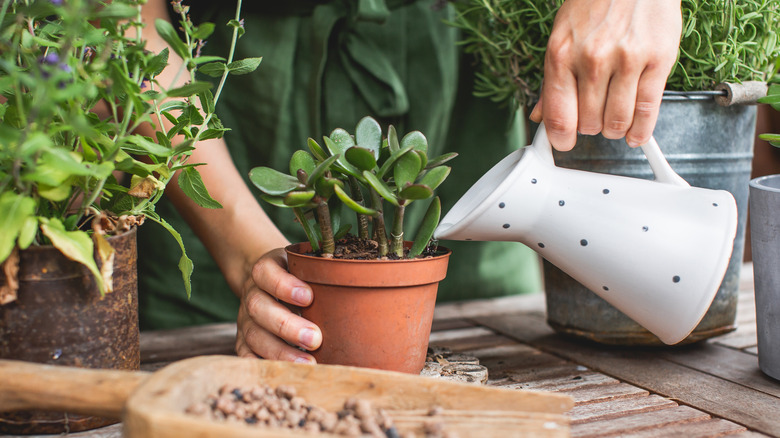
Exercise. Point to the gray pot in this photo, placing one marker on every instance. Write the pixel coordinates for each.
(765, 241)
(709, 146)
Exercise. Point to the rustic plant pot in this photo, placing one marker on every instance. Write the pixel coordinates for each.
(60, 318)
(372, 313)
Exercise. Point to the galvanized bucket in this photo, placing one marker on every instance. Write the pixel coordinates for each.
(708, 145)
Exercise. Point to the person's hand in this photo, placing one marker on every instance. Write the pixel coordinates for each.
(266, 327)
(605, 69)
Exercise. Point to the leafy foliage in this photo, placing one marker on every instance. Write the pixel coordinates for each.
(773, 99)
(722, 41)
(76, 83)
(353, 169)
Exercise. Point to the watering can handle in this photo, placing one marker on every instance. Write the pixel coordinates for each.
(661, 169)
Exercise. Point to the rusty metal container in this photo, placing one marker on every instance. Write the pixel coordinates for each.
(60, 318)
(709, 146)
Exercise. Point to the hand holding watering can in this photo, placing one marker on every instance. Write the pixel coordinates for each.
(656, 250)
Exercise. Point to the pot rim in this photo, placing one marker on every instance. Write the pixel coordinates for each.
(761, 183)
(294, 249)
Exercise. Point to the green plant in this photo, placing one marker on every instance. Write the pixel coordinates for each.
(78, 90)
(773, 99)
(722, 41)
(363, 172)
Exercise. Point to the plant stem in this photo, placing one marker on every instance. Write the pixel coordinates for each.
(397, 242)
(328, 245)
(380, 233)
(357, 195)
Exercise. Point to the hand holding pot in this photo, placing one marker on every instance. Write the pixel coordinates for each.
(606, 67)
(265, 324)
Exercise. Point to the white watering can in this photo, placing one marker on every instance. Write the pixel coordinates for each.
(655, 250)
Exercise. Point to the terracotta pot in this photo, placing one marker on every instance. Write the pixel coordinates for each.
(60, 318)
(372, 313)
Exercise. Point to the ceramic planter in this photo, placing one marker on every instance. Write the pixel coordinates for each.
(60, 318)
(765, 244)
(372, 313)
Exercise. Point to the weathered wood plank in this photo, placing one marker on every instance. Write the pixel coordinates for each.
(632, 423)
(175, 344)
(564, 383)
(648, 369)
(568, 369)
(617, 408)
(729, 364)
(605, 393)
(450, 324)
(699, 429)
(459, 333)
(505, 366)
(112, 431)
(463, 345)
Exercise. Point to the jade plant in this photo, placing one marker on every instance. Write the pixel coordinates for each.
(722, 41)
(364, 172)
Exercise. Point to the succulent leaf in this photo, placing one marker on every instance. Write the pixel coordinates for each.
(423, 158)
(427, 227)
(320, 170)
(276, 201)
(406, 169)
(349, 202)
(335, 148)
(302, 160)
(435, 177)
(324, 186)
(392, 139)
(441, 159)
(417, 140)
(415, 191)
(368, 134)
(390, 161)
(308, 228)
(298, 198)
(380, 187)
(273, 182)
(361, 158)
(317, 150)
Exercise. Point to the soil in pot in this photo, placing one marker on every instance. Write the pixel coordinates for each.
(60, 318)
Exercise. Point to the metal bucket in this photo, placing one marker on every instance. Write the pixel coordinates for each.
(59, 318)
(708, 145)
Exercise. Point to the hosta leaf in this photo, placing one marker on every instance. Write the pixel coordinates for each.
(406, 169)
(381, 188)
(368, 135)
(427, 227)
(302, 160)
(273, 182)
(441, 159)
(415, 191)
(192, 185)
(361, 158)
(417, 140)
(298, 198)
(435, 177)
(349, 202)
(75, 245)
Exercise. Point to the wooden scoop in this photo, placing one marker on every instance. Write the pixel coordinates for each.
(154, 404)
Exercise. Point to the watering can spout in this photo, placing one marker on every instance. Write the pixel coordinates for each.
(655, 250)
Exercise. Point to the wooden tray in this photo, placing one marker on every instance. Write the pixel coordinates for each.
(153, 404)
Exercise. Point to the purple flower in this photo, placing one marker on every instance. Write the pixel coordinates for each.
(56, 2)
(50, 58)
(65, 67)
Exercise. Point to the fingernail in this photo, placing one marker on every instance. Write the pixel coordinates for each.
(301, 296)
(309, 338)
(301, 359)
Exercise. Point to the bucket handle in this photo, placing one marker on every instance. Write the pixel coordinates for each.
(661, 169)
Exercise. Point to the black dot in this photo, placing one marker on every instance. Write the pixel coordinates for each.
(533, 180)
(605, 191)
(541, 245)
(501, 205)
(584, 242)
(645, 228)
(561, 203)
(506, 225)
(714, 204)
(676, 279)
(468, 238)
(605, 288)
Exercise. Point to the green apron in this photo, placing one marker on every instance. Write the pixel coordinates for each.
(326, 64)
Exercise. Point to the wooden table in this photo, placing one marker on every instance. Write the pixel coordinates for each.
(714, 388)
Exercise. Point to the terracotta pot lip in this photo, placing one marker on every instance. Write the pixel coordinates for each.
(294, 249)
(132, 230)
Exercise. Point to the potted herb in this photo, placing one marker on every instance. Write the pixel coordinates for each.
(90, 135)
(708, 144)
(374, 292)
(765, 245)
